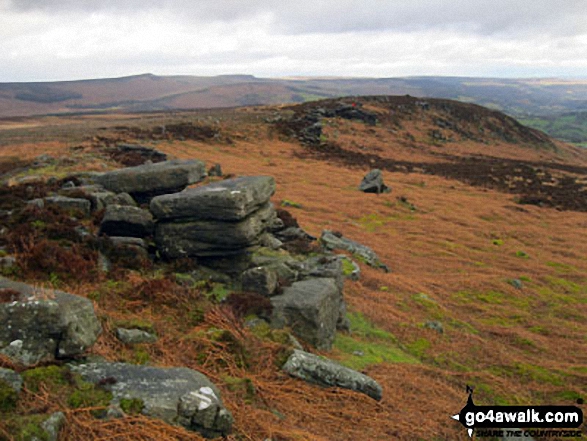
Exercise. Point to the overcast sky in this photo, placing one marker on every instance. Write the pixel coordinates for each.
(74, 39)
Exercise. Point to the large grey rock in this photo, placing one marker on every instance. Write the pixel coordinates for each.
(311, 308)
(229, 200)
(78, 204)
(211, 238)
(126, 221)
(175, 395)
(373, 183)
(332, 241)
(45, 324)
(324, 372)
(146, 181)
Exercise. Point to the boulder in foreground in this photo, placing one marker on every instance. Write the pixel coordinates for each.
(42, 324)
(175, 395)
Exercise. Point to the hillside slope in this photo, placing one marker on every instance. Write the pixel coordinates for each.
(483, 232)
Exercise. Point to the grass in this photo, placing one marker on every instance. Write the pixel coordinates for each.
(368, 345)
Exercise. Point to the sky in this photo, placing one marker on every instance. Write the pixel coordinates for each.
(50, 40)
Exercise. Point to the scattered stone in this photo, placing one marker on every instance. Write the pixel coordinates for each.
(373, 183)
(261, 280)
(335, 241)
(68, 184)
(435, 326)
(70, 204)
(7, 262)
(53, 425)
(126, 221)
(146, 181)
(135, 336)
(11, 378)
(516, 283)
(175, 395)
(324, 372)
(42, 325)
(311, 308)
(38, 203)
(293, 233)
(229, 200)
(215, 170)
(270, 241)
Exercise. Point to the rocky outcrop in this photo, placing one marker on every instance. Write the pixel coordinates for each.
(146, 181)
(373, 183)
(229, 200)
(126, 221)
(219, 219)
(44, 325)
(324, 372)
(336, 241)
(175, 395)
(311, 308)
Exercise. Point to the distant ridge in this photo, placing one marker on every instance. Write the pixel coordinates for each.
(148, 92)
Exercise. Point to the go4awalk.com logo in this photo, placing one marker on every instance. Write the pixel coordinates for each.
(530, 421)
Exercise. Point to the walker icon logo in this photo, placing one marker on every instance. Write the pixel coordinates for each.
(503, 417)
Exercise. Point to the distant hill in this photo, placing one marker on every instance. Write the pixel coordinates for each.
(521, 98)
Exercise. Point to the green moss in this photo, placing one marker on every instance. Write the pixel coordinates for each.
(489, 297)
(374, 221)
(263, 330)
(497, 242)
(140, 355)
(136, 323)
(292, 204)
(419, 347)
(132, 406)
(52, 377)
(26, 427)
(241, 386)
(522, 255)
(368, 345)
(8, 397)
(561, 267)
(359, 353)
(527, 373)
(347, 267)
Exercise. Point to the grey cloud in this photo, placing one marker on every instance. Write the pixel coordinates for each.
(478, 16)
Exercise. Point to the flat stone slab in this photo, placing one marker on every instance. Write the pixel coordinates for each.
(211, 238)
(126, 221)
(229, 200)
(149, 180)
(311, 308)
(42, 324)
(325, 372)
(175, 395)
